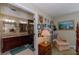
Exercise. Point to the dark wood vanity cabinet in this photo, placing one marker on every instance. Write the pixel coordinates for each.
(13, 42)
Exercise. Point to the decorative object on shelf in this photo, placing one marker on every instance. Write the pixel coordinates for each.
(40, 19)
(66, 25)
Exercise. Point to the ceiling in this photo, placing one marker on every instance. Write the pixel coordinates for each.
(57, 9)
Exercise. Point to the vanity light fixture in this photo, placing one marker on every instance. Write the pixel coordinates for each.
(23, 22)
(7, 20)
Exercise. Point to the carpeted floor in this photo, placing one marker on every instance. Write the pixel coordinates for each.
(55, 51)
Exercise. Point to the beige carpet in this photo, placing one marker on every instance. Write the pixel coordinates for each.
(55, 51)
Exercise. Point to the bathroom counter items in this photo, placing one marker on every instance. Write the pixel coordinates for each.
(44, 48)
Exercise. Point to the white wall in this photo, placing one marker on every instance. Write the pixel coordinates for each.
(69, 35)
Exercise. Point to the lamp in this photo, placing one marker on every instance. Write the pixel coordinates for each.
(45, 33)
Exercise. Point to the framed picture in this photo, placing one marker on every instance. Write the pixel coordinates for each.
(66, 25)
(40, 26)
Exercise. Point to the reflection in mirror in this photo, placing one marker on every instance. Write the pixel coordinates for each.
(23, 26)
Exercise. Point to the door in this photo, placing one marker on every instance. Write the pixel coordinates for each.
(77, 41)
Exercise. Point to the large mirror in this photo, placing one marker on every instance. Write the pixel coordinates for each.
(9, 26)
